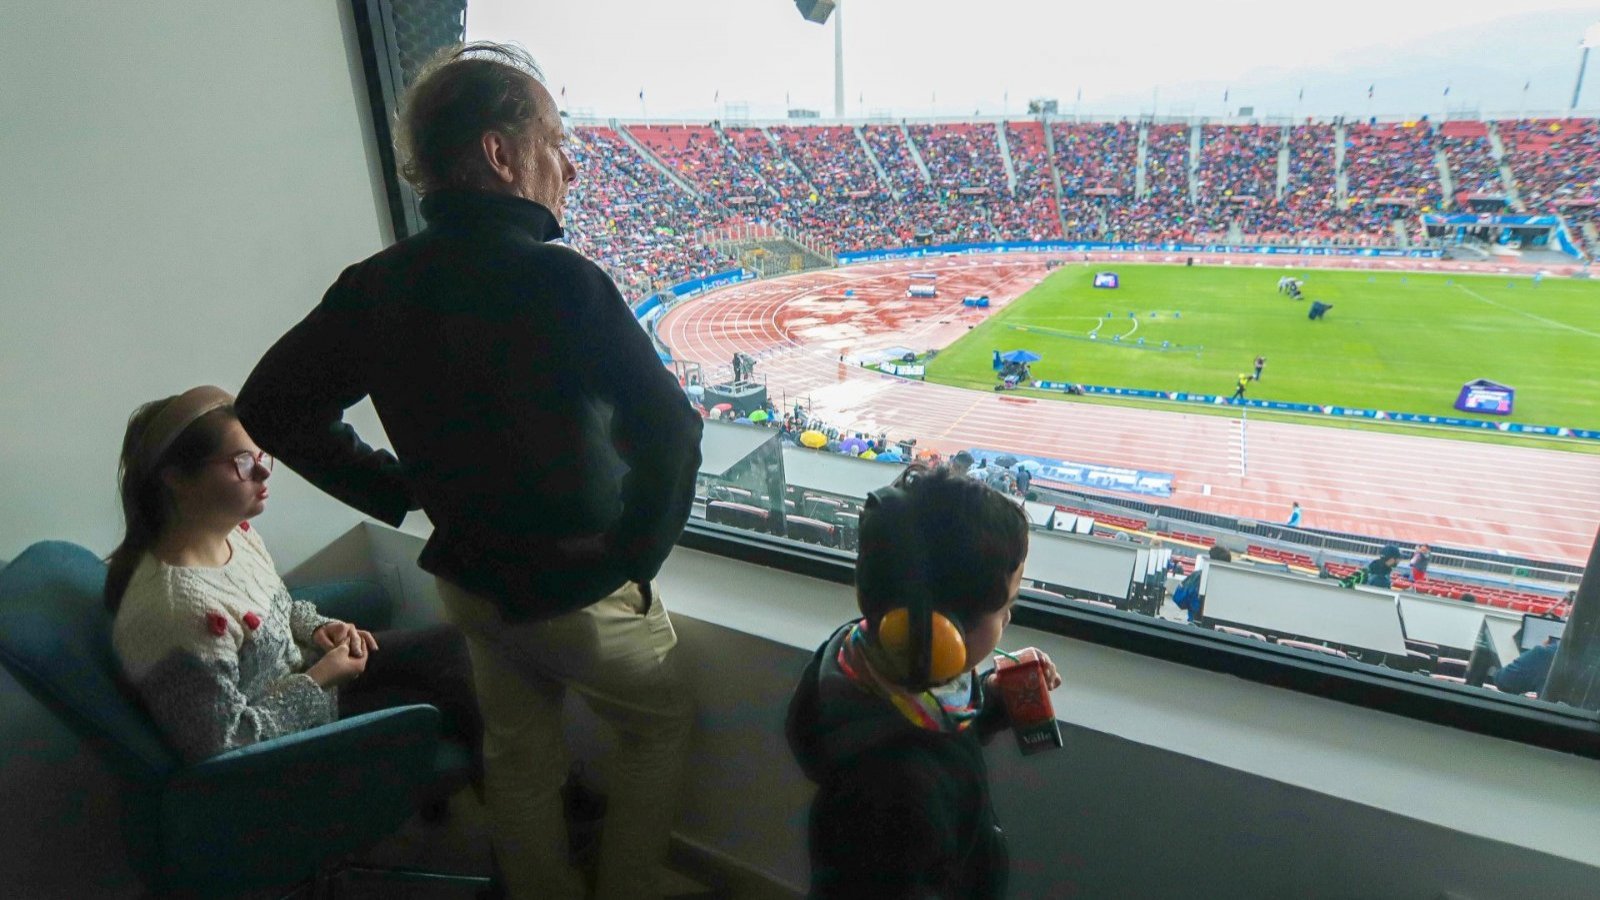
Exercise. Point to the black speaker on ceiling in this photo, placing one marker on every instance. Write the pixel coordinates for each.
(815, 10)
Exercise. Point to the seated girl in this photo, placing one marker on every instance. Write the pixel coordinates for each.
(205, 630)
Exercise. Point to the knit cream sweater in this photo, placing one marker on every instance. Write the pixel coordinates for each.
(218, 654)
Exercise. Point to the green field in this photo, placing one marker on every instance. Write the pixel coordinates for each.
(1400, 342)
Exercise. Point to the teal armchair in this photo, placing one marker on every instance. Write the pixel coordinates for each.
(268, 815)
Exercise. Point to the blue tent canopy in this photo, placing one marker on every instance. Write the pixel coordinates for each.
(1020, 356)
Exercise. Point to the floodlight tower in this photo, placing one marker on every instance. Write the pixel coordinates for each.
(817, 11)
(1591, 38)
(838, 59)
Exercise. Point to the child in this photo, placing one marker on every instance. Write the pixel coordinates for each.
(1420, 560)
(1187, 596)
(890, 727)
(205, 631)
(1375, 573)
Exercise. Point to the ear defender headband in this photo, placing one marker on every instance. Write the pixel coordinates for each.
(925, 645)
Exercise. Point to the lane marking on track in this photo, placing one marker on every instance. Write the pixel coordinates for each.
(957, 422)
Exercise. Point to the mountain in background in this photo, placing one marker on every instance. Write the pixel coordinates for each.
(1485, 67)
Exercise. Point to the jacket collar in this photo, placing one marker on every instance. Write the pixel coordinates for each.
(451, 206)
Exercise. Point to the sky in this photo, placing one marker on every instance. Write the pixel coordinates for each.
(917, 58)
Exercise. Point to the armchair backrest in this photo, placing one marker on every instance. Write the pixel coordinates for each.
(55, 639)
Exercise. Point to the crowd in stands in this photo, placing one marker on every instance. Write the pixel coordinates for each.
(632, 220)
(849, 207)
(831, 159)
(1237, 175)
(889, 145)
(1553, 160)
(819, 182)
(1097, 163)
(1472, 167)
(760, 154)
(1310, 211)
(1394, 161)
(1166, 162)
(964, 156)
(1032, 211)
(1165, 211)
(701, 156)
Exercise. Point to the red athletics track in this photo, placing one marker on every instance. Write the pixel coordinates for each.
(1540, 503)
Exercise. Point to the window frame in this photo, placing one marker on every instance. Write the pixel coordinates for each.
(1513, 718)
(1372, 687)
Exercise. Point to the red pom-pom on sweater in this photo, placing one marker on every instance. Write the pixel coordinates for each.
(252, 621)
(217, 622)
(244, 526)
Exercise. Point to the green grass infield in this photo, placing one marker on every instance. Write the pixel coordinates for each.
(1392, 341)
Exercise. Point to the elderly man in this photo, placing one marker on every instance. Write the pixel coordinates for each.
(536, 427)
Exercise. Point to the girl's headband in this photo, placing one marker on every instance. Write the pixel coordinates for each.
(178, 414)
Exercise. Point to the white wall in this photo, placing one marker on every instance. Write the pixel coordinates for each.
(179, 183)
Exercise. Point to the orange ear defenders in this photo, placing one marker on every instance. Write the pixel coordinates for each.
(926, 645)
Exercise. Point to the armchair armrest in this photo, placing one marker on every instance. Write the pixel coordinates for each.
(295, 801)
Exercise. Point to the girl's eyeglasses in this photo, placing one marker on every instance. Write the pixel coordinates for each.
(244, 462)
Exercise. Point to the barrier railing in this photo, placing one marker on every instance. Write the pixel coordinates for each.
(851, 258)
(1346, 412)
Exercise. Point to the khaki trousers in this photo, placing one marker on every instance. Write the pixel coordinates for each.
(617, 654)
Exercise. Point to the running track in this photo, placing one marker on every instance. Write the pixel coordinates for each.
(1540, 503)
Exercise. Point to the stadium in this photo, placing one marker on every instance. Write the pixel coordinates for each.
(1270, 359)
(1023, 211)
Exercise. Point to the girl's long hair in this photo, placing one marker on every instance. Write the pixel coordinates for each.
(147, 507)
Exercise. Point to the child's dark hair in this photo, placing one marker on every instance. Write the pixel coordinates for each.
(966, 536)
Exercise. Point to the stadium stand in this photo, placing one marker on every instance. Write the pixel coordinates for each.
(1472, 167)
(1554, 160)
(1394, 163)
(818, 182)
(632, 220)
(1164, 211)
(700, 155)
(962, 158)
(848, 208)
(1032, 214)
(1238, 177)
(889, 146)
(1310, 211)
(1097, 163)
(756, 150)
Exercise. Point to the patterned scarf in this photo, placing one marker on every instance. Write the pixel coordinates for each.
(950, 707)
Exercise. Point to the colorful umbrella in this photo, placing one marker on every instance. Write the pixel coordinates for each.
(759, 415)
(722, 407)
(813, 439)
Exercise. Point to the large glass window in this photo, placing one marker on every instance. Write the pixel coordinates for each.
(1300, 375)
